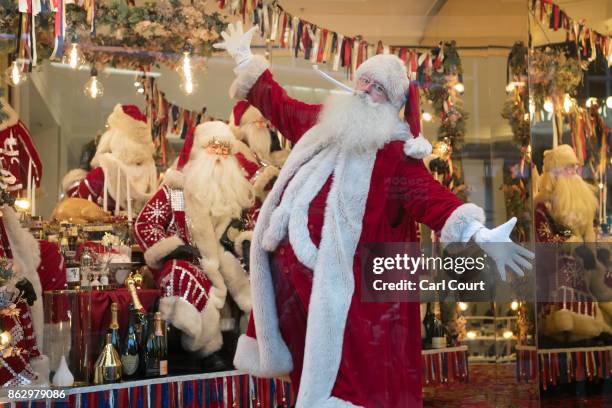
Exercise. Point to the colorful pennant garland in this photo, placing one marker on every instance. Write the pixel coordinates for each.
(588, 41)
(562, 366)
(321, 45)
(238, 391)
(444, 366)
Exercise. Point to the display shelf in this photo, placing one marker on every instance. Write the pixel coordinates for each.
(214, 390)
(563, 365)
(493, 318)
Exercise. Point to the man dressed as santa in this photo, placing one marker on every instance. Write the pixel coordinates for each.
(353, 176)
(126, 147)
(194, 232)
(251, 127)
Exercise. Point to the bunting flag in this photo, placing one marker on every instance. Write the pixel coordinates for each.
(322, 45)
(561, 366)
(444, 366)
(167, 119)
(588, 41)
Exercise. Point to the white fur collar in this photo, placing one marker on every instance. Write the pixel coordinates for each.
(308, 167)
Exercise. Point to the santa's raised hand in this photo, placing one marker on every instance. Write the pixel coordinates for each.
(497, 244)
(237, 43)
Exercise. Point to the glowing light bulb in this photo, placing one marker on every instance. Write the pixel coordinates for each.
(188, 84)
(601, 186)
(463, 306)
(510, 87)
(74, 58)
(548, 106)
(459, 87)
(93, 88)
(567, 103)
(508, 334)
(5, 339)
(514, 305)
(609, 102)
(22, 204)
(590, 102)
(15, 75)
(471, 334)
(427, 117)
(140, 90)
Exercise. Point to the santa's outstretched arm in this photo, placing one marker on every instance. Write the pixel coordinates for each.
(432, 204)
(254, 82)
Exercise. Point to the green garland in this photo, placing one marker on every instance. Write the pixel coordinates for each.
(141, 35)
(516, 112)
(448, 107)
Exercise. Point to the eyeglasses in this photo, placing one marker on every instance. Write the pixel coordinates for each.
(365, 82)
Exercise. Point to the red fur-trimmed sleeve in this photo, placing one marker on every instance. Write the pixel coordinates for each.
(290, 116)
(425, 199)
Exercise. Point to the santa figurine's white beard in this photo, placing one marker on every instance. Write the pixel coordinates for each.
(215, 186)
(573, 202)
(259, 140)
(356, 123)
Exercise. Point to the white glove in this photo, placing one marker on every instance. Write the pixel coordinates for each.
(497, 244)
(237, 43)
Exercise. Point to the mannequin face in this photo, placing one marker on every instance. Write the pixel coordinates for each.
(374, 89)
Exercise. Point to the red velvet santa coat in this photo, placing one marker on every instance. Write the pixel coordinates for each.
(380, 361)
(91, 187)
(17, 151)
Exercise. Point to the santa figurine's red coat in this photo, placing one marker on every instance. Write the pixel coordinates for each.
(302, 325)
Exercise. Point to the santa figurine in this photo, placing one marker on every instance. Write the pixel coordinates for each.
(23, 320)
(252, 128)
(123, 164)
(566, 207)
(18, 155)
(354, 175)
(195, 232)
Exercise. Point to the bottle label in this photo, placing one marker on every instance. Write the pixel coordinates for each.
(438, 342)
(163, 367)
(130, 363)
(73, 274)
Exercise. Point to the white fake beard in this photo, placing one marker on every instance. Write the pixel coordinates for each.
(143, 179)
(573, 202)
(259, 140)
(215, 185)
(356, 123)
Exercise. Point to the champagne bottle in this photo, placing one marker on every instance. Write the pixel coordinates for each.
(140, 316)
(438, 339)
(130, 354)
(428, 324)
(155, 352)
(108, 365)
(113, 327)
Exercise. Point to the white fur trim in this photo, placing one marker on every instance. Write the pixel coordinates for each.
(261, 180)
(133, 129)
(248, 76)
(243, 236)
(417, 147)
(174, 178)
(214, 130)
(237, 281)
(26, 259)
(201, 330)
(389, 71)
(72, 178)
(13, 117)
(156, 252)
(247, 359)
(462, 223)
